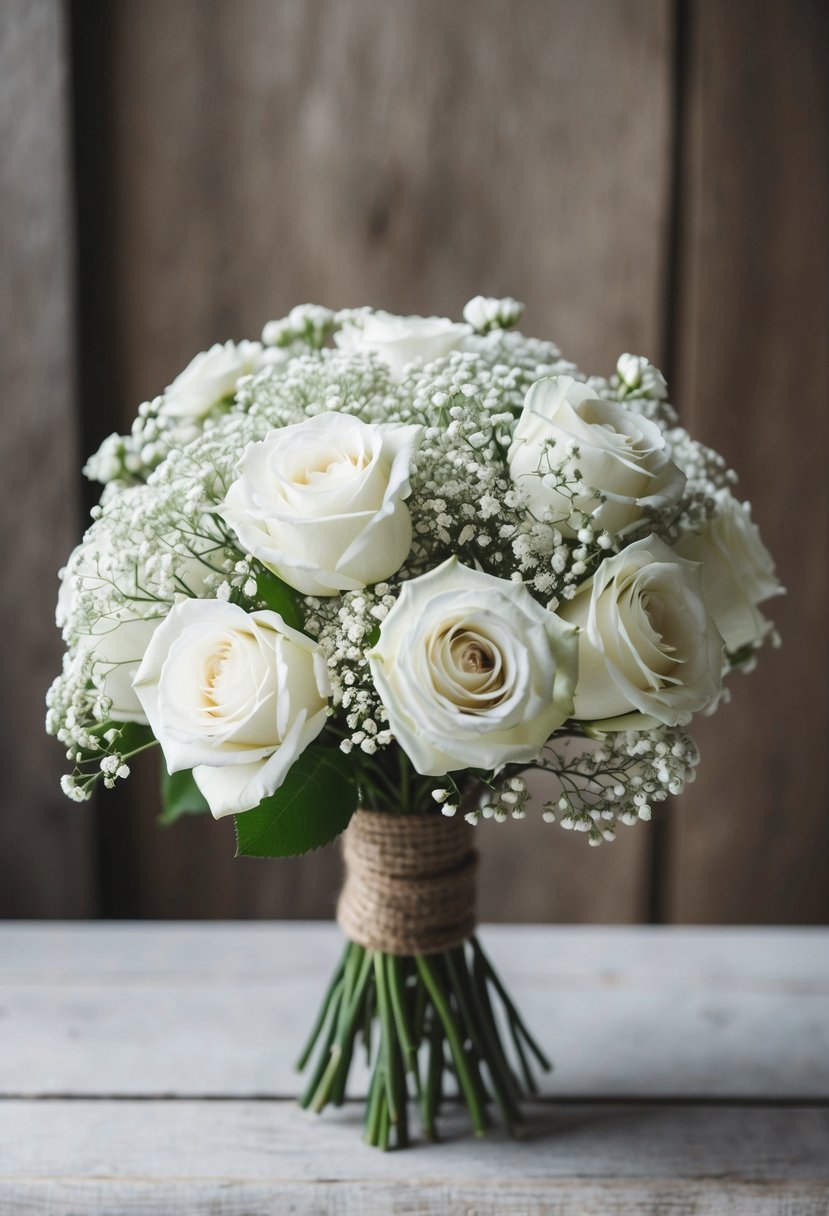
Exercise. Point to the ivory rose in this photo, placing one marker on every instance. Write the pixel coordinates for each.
(647, 641)
(737, 571)
(322, 502)
(235, 697)
(398, 341)
(473, 672)
(623, 459)
(209, 378)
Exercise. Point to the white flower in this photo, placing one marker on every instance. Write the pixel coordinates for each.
(118, 639)
(485, 313)
(623, 458)
(209, 378)
(647, 641)
(321, 502)
(398, 341)
(638, 377)
(234, 697)
(306, 322)
(737, 571)
(473, 672)
(118, 646)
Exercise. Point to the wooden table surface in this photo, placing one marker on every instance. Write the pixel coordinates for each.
(147, 1069)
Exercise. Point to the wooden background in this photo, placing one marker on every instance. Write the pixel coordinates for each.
(648, 175)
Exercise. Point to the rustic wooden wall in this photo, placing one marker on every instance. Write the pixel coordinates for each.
(645, 174)
(46, 844)
(750, 841)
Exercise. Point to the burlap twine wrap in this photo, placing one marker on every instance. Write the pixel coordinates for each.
(409, 882)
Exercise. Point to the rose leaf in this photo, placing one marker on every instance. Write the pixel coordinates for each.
(311, 807)
(279, 597)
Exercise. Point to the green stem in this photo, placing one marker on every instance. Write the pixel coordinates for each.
(383, 1130)
(506, 1088)
(333, 987)
(386, 1036)
(512, 1012)
(434, 1072)
(346, 1029)
(403, 1110)
(405, 784)
(372, 1121)
(398, 1006)
(324, 1056)
(450, 1029)
(445, 1003)
(459, 979)
(530, 1083)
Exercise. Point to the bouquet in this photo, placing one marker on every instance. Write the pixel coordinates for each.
(359, 578)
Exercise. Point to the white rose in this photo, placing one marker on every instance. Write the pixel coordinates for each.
(235, 697)
(737, 571)
(321, 502)
(647, 641)
(118, 639)
(473, 672)
(398, 341)
(209, 378)
(623, 458)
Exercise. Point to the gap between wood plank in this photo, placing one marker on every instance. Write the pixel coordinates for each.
(748, 1101)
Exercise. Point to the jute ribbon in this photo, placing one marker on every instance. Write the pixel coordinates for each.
(409, 882)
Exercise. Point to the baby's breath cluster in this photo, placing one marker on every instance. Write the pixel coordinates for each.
(345, 629)
(707, 473)
(599, 783)
(619, 781)
(161, 535)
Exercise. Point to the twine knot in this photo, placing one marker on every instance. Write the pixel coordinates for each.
(409, 882)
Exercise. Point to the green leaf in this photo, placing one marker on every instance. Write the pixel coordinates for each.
(311, 807)
(279, 597)
(180, 796)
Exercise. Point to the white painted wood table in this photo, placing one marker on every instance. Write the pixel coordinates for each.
(146, 1069)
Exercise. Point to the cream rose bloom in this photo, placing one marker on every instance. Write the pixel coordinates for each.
(647, 640)
(737, 571)
(398, 341)
(624, 461)
(209, 378)
(473, 672)
(322, 502)
(235, 697)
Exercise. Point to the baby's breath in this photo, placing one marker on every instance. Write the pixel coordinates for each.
(157, 538)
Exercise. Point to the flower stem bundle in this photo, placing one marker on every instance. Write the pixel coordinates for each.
(433, 1027)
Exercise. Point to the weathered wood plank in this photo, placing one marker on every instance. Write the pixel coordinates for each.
(409, 155)
(752, 841)
(204, 1010)
(243, 1159)
(44, 842)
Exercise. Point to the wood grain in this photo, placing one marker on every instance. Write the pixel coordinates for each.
(44, 841)
(752, 839)
(410, 155)
(222, 1010)
(159, 1010)
(247, 1159)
